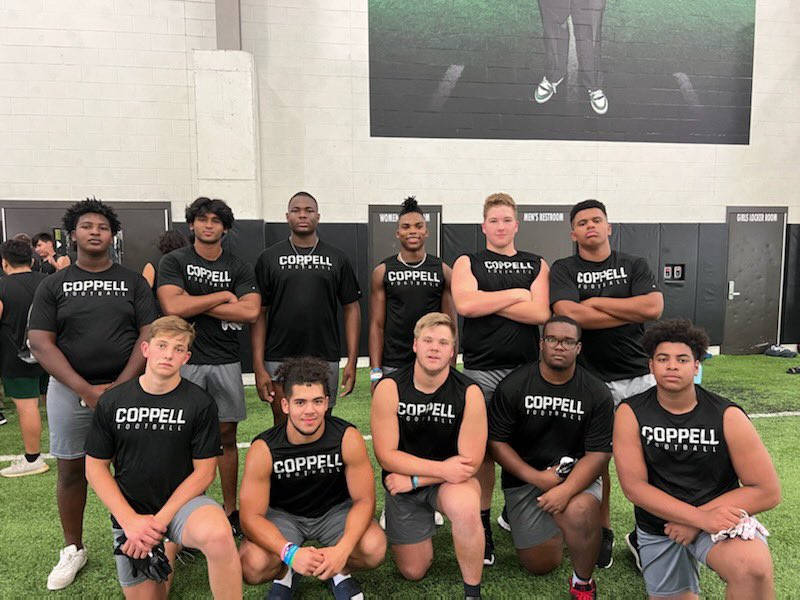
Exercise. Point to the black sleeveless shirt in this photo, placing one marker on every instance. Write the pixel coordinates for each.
(686, 455)
(411, 292)
(492, 341)
(429, 424)
(307, 479)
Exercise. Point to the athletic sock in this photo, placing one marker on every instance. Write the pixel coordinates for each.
(31, 457)
(340, 577)
(486, 519)
(473, 591)
(286, 580)
(577, 579)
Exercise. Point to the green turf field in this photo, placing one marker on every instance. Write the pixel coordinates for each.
(31, 535)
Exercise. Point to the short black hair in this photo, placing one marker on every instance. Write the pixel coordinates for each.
(300, 370)
(591, 203)
(17, 253)
(170, 240)
(90, 205)
(563, 319)
(42, 237)
(304, 194)
(203, 205)
(410, 205)
(680, 331)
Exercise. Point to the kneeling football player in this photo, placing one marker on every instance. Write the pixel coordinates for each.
(541, 413)
(429, 431)
(162, 434)
(308, 478)
(696, 470)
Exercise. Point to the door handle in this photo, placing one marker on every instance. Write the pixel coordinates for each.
(731, 293)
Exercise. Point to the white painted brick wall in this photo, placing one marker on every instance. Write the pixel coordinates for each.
(96, 98)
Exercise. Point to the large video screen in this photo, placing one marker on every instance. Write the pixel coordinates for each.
(616, 70)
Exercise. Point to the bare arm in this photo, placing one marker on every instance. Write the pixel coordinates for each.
(761, 488)
(63, 262)
(474, 428)
(377, 317)
(352, 329)
(149, 274)
(449, 307)
(586, 316)
(175, 301)
(245, 310)
(43, 347)
(512, 462)
(205, 469)
(471, 302)
(254, 500)
(136, 361)
(632, 472)
(636, 309)
(536, 310)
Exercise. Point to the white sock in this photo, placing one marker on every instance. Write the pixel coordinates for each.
(286, 580)
(339, 577)
(576, 579)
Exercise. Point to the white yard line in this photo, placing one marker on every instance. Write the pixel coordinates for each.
(446, 86)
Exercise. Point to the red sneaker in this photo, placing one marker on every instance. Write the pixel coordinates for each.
(583, 591)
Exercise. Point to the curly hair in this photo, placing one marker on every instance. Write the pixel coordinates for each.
(170, 240)
(94, 206)
(303, 370)
(203, 206)
(410, 205)
(679, 331)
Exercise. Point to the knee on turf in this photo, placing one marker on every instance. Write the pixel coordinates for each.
(415, 570)
(258, 566)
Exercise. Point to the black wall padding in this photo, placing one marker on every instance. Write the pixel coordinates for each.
(790, 319)
(679, 246)
(712, 267)
(458, 239)
(641, 239)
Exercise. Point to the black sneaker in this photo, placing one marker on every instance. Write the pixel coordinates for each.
(488, 549)
(502, 520)
(3, 419)
(348, 589)
(236, 527)
(633, 545)
(606, 557)
(278, 591)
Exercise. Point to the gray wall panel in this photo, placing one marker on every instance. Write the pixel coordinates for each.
(712, 258)
(790, 321)
(679, 246)
(640, 239)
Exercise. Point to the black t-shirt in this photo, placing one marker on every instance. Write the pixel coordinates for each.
(217, 341)
(411, 292)
(16, 294)
(429, 424)
(153, 439)
(303, 292)
(43, 266)
(492, 341)
(542, 421)
(96, 317)
(686, 455)
(307, 479)
(619, 276)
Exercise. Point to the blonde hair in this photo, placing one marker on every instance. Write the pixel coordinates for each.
(434, 319)
(499, 199)
(171, 326)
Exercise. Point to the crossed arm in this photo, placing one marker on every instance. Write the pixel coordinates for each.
(222, 305)
(604, 313)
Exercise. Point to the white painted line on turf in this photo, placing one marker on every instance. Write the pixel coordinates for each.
(446, 86)
(368, 437)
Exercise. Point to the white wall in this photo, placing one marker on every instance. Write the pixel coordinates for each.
(312, 60)
(97, 97)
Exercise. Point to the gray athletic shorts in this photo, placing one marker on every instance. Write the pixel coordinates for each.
(333, 378)
(625, 388)
(669, 568)
(327, 529)
(409, 516)
(174, 534)
(487, 380)
(530, 525)
(224, 383)
(68, 421)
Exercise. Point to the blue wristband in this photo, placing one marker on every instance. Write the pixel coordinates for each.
(287, 560)
(414, 482)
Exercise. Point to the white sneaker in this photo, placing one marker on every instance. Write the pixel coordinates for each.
(438, 519)
(21, 467)
(598, 101)
(382, 520)
(545, 90)
(503, 523)
(70, 562)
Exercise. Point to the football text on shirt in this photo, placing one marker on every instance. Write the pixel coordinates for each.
(605, 276)
(305, 260)
(507, 265)
(403, 276)
(554, 404)
(98, 286)
(436, 410)
(154, 418)
(208, 275)
(671, 438)
(308, 465)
